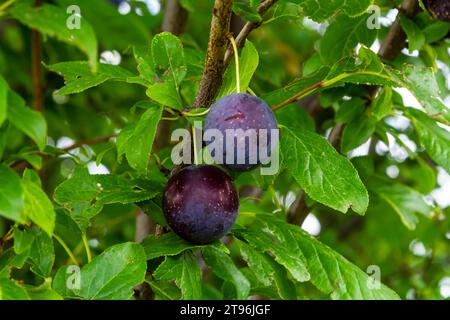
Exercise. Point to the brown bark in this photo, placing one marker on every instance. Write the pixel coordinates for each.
(395, 40)
(36, 67)
(175, 18)
(214, 67)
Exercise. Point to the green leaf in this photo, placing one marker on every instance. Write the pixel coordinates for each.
(138, 146)
(333, 274)
(10, 290)
(382, 105)
(330, 272)
(153, 208)
(285, 10)
(189, 5)
(222, 265)
(164, 290)
(405, 201)
(423, 85)
(257, 262)
(38, 207)
(85, 194)
(53, 21)
(11, 195)
(3, 100)
(247, 11)
(436, 31)
(67, 228)
(42, 254)
(342, 36)
(416, 38)
(30, 122)
(9, 260)
(22, 241)
(43, 292)
(67, 282)
(185, 271)
(147, 75)
(325, 175)
(284, 286)
(248, 62)
(113, 274)
(366, 68)
(166, 94)
(349, 110)
(357, 132)
(282, 247)
(78, 77)
(320, 10)
(435, 139)
(168, 244)
(105, 188)
(295, 117)
(168, 57)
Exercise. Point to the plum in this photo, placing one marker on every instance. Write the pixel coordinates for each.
(241, 111)
(200, 203)
(438, 9)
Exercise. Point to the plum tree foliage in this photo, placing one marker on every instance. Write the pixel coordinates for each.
(92, 205)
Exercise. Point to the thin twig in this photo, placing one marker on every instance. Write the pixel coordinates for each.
(395, 40)
(298, 96)
(88, 142)
(175, 17)
(246, 30)
(22, 164)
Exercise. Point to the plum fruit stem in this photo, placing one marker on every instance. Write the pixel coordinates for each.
(87, 248)
(66, 248)
(236, 59)
(194, 143)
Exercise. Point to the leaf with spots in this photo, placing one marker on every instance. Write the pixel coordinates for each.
(324, 174)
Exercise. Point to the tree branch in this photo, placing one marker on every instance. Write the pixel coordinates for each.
(36, 68)
(214, 66)
(175, 18)
(299, 210)
(246, 30)
(395, 40)
(22, 164)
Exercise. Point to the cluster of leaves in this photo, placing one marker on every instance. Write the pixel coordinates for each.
(67, 232)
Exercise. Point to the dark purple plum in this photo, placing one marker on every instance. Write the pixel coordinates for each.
(200, 203)
(240, 111)
(439, 9)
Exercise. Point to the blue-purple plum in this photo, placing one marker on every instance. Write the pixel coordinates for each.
(200, 203)
(240, 111)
